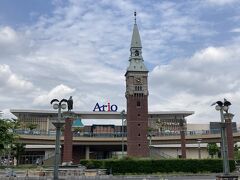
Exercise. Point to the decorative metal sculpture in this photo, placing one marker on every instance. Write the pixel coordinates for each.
(70, 103)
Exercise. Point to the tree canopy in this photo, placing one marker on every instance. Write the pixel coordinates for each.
(213, 149)
(9, 139)
(7, 135)
(31, 126)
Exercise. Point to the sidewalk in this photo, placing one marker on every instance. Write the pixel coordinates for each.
(125, 177)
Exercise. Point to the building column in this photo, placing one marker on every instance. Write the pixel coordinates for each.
(47, 126)
(183, 139)
(68, 138)
(87, 152)
(230, 143)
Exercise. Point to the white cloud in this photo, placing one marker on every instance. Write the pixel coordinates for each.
(13, 82)
(7, 35)
(194, 83)
(221, 2)
(59, 92)
(235, 30)
(12, 44)
(15, 91)
(219, 54)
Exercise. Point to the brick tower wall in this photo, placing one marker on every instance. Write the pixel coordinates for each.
(137, 127)
(68, 141)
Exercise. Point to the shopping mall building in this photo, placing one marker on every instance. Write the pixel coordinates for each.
(90, 141)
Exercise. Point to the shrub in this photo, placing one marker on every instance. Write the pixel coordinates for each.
(149, 166)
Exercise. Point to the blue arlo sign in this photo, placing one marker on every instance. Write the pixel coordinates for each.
(108, 107)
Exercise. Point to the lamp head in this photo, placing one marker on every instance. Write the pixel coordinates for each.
(218, 108)
(219, 103)
(226, 102)
(63, 106)
(55, 106)
(54, 100)
(225, 108)
(123, 112)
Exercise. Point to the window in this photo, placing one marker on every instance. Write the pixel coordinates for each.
(138, 103)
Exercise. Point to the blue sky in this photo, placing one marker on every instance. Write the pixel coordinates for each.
(54, 49)
(17, 13)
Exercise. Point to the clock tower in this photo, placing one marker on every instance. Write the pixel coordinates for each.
(137, 99)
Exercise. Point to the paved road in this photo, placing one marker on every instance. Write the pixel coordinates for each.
(164, 177)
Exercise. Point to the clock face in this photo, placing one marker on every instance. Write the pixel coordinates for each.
(138, 80)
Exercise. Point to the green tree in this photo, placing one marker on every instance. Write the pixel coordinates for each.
(31, 127)
(212, 149)
(236, 152)
(77, 131)
(15, 124)
(7, 135)
(150, 130)
(17, 150)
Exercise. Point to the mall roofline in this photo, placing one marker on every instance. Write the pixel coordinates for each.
(96, 115)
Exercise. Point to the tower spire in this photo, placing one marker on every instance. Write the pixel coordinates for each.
(136, 59)
(136, 40)
(135, 17)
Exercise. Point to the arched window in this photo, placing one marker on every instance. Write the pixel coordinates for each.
(138, 103)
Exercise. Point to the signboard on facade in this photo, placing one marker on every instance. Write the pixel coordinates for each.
(105, 107)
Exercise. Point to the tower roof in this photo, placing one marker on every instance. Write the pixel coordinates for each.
(136, 60)
(77, 123)
(136, 40)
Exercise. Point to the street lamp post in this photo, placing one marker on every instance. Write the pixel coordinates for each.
(122, 115)
(199, 148)
(58, 124)
(223, 106)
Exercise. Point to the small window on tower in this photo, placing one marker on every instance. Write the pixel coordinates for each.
(136, 53)
(138, 104)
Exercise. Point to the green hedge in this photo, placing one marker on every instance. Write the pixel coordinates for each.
(148, 166)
